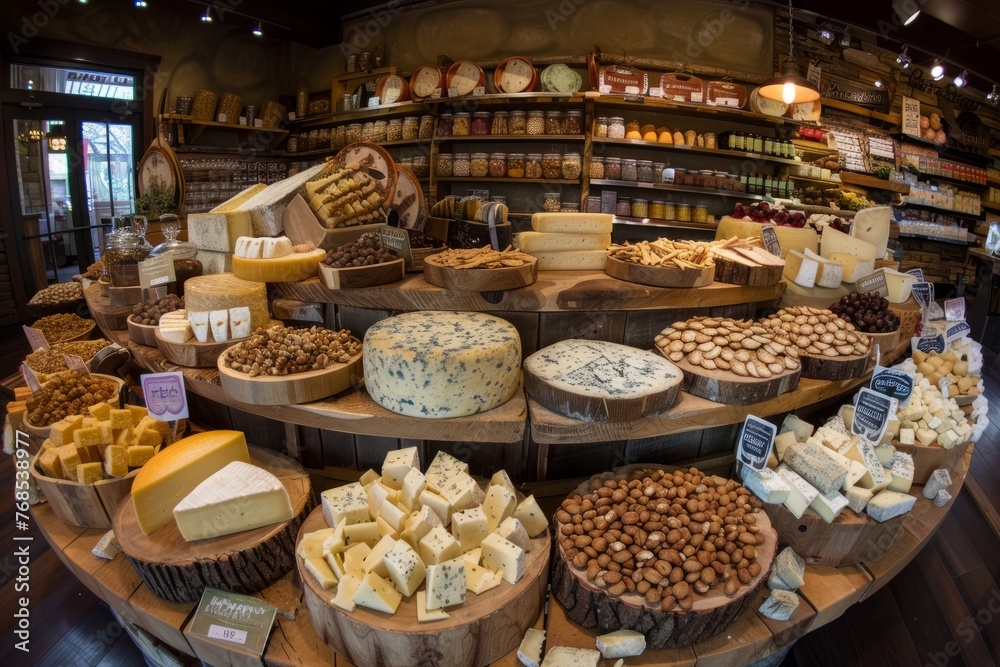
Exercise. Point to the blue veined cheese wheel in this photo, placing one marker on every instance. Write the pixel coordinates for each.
(560, 78)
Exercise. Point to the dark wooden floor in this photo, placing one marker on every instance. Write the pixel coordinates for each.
(941, 610)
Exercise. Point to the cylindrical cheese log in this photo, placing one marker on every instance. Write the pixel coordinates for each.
(441, 364)
(222, 291)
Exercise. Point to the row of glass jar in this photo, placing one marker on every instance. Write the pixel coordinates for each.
(656, 209)
(509, 165)
(535, 122)
(377, 131)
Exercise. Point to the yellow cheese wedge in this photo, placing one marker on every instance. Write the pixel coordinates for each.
(290, 268)
(790, 238)
(173, 473)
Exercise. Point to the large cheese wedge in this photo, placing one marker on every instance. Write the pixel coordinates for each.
(799, 269)
(176, 470)
(900, 285)
(223, 291)
(573, 223)
(532, 242)
(287, 269)
(267, 207)
(218, 232)
(790, 238)
(236, 202)
(572, 260)
(834, 241)
(854, 268)
(829, 274)
(872, 225)
(239, 497)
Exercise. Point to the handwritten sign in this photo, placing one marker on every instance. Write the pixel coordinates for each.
(237, 619)
(166, 397)
(771, 241)
(36, 339)
(756, 441)
(871, 415)
(398, 240)
(873, 283)
(893, 383)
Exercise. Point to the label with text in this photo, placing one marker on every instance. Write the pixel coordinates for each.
(398, 240)
(75, 363)
(166, 396)
(29, 378)
(234, 618)
(157, 271)
(928, 344)
(954, 309)
(919, 273)
(873, 283)
(756, 441)
(871, 415)
(893, 383)
(923, 294)
(956, 331)
(36, 339)
(771, 241)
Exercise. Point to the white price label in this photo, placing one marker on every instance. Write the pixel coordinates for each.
(257, 122)
(159, 281)
(223, 118)
(696, 96)
(604, 89)
(656, 92)
(227, 634)
(479, 90)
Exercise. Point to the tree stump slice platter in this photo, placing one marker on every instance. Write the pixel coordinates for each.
(927, 459)
(886, 341)
(479, 280)
(659, 276)
(591, 607)
(143, 334)
(818, 367)
(193, 353)
(289, 389)
(852, 538)
(737, 273)
(479, 632)
(723, 386)
(362, 276)
(246, 562)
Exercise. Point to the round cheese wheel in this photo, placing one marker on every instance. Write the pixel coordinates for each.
(222, 291)
(515, 75)
(441, 364)
(288, 269)
(425, 80)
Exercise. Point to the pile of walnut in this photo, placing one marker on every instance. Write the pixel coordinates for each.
(742, 347)
(664, 536)
(818, 332)
(62, 326)
(480, 258)
(58, 295)
(282, 350)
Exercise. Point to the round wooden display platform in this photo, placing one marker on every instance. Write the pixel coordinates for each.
(483, 629)
(592, 607)
(246, 562)
(144, 334)
(479, 280)
(194, 354)
(850, 539)
(737, 273)
(363, 276)
(886, 341)
(833, 368)
(43, 431)
(724, 387)
(109, 318)
(927, 459)
(288, 389)
(658, 276)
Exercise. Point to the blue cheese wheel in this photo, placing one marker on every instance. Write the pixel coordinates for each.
(440, 364)
(560, 78)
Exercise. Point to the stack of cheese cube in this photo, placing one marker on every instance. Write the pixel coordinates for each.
(825, 470)
(435, 536)
(108, 443)
(786, 577)
(568, 241)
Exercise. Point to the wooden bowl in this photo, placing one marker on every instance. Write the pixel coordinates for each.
(480, 280)
(43, 431)
(363, 276)
(928, 458)
(144, 334)
(195, 354)
(289, 389)
(659, 276)
(86, 335)
(888, 342)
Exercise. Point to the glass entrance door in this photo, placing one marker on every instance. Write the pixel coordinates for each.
(109, 165)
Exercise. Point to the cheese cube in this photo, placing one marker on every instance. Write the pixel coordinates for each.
(801, 429)
(939, 479)
(69, 459)
(311, 544)
(443, 467)
(501, 478)
(621, 644)
(384, 528)
(437, 546)
(766, 484)
(354, 557)
(857, 498)
(799, 269)
(424, 616)
(48, 459)
(377, 494)
(780, 605)
(906, 436)
(926, 436)
(439, 504)
(373, 562)
(378, 594)
(414, 484)
(321, 570)
(404, 567)
(829, 273)
(116, 461)
(942, 498)
(419, 524)
(473, 557)
(902, 472)
(783, 441)
(854, 475)
(531, 517)
(445, 584)
(362, 533)
(346, 590)
(828, 507)
(530, 650)
(500, 503)
(393, 515)
(88, 473)
(346, 503)
(397, 463)
(503, 556)
(479, 579)
(512, 531)
(239, 322)
(138, 456)
(889, 504)
(460, 492)
(219, 322)
(368, 477)
(469, 527)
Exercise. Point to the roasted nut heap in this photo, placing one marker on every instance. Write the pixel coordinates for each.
(58, 294)
(62, 326)
(65, 394)
(743, 347)
(367, 250)
(818, 332)
(664, 536)
(51, 360)
(94, 271)
(149, 312)
(480, 258)
(868, 311)
(286, 350)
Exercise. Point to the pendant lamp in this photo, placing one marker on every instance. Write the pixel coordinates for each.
(790, 86)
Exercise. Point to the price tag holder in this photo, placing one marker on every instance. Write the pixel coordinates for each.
(873, 283)
(928, 344)
(756, 441)
(923, 294)
(771, 242)
(157, 271)
(232, 618)
(956, 331)
(29, 378)
(36, 339)
(893, 383)
(954, 310)
(919, 273)
(398, 240)
(75, 363)
(872, 412)
(166, 396)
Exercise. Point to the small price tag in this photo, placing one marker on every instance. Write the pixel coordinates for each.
(227, 634)
(935, 343)
(632, 90)
(893, 383)
(873, 283)
(257, 122)
(923, 294)
(223, 118)
(36, 339)
(478, 193)
(166, 396)
(157, 271)
(871, 415)
(756, 441)
(398, 240)
(292, 115)
(243, 121)
(374, 101)
(604, 89)
(452, 92)
(478, 90)
(656, 92)
(919, 273)
(771, 241)
(697, 97)
(956, 331)
(954, 309)
(75, 363)
(233, 618)
(29, 378)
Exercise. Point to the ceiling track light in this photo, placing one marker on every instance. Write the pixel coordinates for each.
(903, 59)
(258, 29)
(937, 70)
(826, 37)
(906, 11)
(961, 79)
(207, 16)
(845, 39)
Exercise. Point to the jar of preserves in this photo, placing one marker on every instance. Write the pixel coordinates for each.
(479, 165)
(460, 164)
(421, 166)
(500, 123)
(570, 207)
(571, 166)
(573, 123)
(533, 165)
(353, 133)
(380, 131)
(699, 214)
(616, 127)
(597, 167)
(125, 249)
(498, 165)
(480, 123)
(624, 206)
(339, 137)
(313, 142)
(443, 166)
(461, 124)
(518, 123)
(551, 165)
(446, 124)
(640, 208)
(658, 168)
(644, 171)
(405, 161)
(367, 134)
(426, 130)
(536, 122)
(593, 204)
(324, 138)
(551, 201)
(629, 170)
(554, 122)
(657, 210)
(684, 212)
(613, 168)
(515, 165)
(601, 127)
(410, 128)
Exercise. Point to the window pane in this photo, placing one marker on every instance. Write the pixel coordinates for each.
(87, 83)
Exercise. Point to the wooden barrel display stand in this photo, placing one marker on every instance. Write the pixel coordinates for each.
(246, 562)
(725, 387)
(479, 632)
(833, 368)
(851, 539)
(710, 614)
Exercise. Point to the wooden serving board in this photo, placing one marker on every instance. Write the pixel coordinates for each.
(246, 562)
(363, 276)
(736, 273)
(290, 389)
(144, 334)
(479, 632)
(851, 539)
(724, 387)
(195, 354)
(479, 280)
(591, 607)
(927, 459)
(833, 368)
(659, 276)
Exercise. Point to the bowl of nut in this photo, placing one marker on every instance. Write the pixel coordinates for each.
(50, 360)
(362, 263)
(145, 317)
(64, 327)
(869, 313)
(60, 297)
(68, 393)
(284, 365)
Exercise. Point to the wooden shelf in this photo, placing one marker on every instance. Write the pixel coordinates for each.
(815, 147)
(509, 137)
(948, 211)
(730, 194)
(694, 150)
(944, 150)
(953, 181)
(506, 179)
(873, 183)
(190, 130)
(699, 110)
(990, 206)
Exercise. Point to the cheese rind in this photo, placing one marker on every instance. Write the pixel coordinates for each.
(532, 242)
(800, 269)
(817, 465)
(291, 268)
(939, 479)
(789, 570)
(530, 650)
(801, 493)
(565, 656)
(573, 223)
(833, 241)
(872, 226)
(854, 268)
(829, 274)
(224, 291)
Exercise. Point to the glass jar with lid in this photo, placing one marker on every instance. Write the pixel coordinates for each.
(498, 165)
(500, 123)
(593, 204)
(443, 166)
(629, 169)
(461, 124)
(421, 166)
(570, 207)
(533, 165)
(518, 123)
(125, 248)
(624, 206)
(445, 124)
(426, 130)
(644, 171)
(640, 208)
(184, 254)
(551, 201)
(536, 122)
(597, 167)
(699, 214)
(410, 128)
(515, 165)
(658, 168)
(353, 133)
(480, 123)
(683, 212)
(616, 127)
(292, 145)
(461, 164)
(601, 127)
(551, 165)
(479, 165)
(367, 134)
(669, 211)
(573, 123)
(571, 166)
(380, 131)
(339, 136)
(613, 168)
(657, 210)
(554, 122)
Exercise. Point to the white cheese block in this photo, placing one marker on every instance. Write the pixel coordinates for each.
(378, 594)
(218, 321)
(397, 463)
(311, 544)
(335, 540)
(801, 493)
(942, 498)
(441, 364)
(377, 494)
(571, 260)
(236, 202)
(854, 267)
(564, 656)
(438, 504)
(404, 568)
(799, 269)
(349, 584)
(817, 465)
(274, 248)
(443, 467)
(501, 478)
(899, 284)
(532, 242)
(939, 479)
(362, 533)
(253, 249)
(369, 477)
(788, 571)
(414, 484)
(531, 516)
(445, 584)
(864, 452)
(473, 556)
(833, 241)
(530, 650)
(200, 326)
(438, 546)
(503, 556)
(347, 503)
(829, 273)
(854, 475)
(512, 531)
(239, 322)
(177, 331)
(780, 605)
(268, 206)
(766, 484)
(907, 436)
(872, 226)
(242, 246)
(573, 223)
(857, 498)
(219, 232)
(828, 507)
(239, 497)
(621, 644)
(460, 492)
(425, 616)
(385, 528)
(321, 570)
(801, 429)
(500, 504)
(419, 524)
(106, 547)
(354, 557)
(783, 441)
(469, 527)
(373, 562)
(889, 504)
(902, 472)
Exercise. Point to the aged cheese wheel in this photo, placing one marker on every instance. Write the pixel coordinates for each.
(559, 78)
(515, 75)
(425, 80)
(222, 291)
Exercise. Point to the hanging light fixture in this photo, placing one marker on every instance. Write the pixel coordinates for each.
(207, 16)
(258, 30)
(937, 70)
(826, 37)
(961, 79)
(790, 86)
(57, 138)
(907, 11)
(903, 59)
(141, 4)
